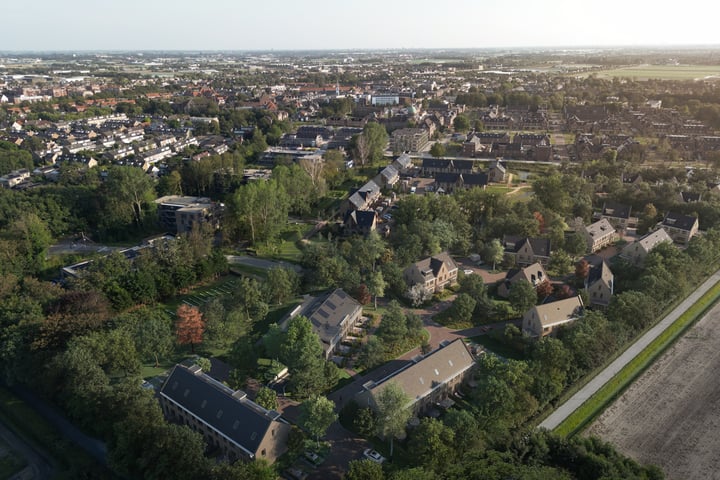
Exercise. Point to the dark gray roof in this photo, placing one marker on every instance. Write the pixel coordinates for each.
(463, 164)
(228, 412)
(447, 177)
(328, 313)
(677, 220)
(435, 163)
(478, 179)
(616, 210)
(689, 197)
(540, 246)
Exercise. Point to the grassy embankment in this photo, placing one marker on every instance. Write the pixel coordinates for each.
(589, 410)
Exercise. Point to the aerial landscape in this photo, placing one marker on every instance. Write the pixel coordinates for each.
(362, 241)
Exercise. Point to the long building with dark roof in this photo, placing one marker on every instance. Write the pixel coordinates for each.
(227, 419)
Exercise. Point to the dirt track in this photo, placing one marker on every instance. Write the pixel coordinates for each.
(670, 416)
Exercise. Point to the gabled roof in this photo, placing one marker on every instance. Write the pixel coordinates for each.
(476, 179)
(532, 274)
(362, 218)
(600, 228)
(328, 313)
(677, 220)
(430, 266)
(689, 197)
(436, 163)
(463, 164)
(229, 412)
(616, 210)
(653, 239)
(599, 270)
(419, 379)
(540, 246)
(559, 312)
(447, 177)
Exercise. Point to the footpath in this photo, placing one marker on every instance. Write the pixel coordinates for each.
(567, 408)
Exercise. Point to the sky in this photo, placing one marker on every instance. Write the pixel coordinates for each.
(92, 25)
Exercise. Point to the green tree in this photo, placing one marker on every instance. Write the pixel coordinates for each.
(561, 262)
(259, 210)
(267, 398)
(522, 296)
(432, 444)
(303, 355)
(461, 123)
(437, 150)
(462, 308)
(575, 244)
(281, 285)
(392, 412)
(364, 470)
(372, 353)
(365, 422)
(376, 284)
(377, 140)
(393, 326)
(317, 413)
(494, 252)
(128, 193)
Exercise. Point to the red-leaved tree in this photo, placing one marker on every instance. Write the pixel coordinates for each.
(190, 326)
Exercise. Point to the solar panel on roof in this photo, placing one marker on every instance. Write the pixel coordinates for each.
(331, 305)
(323, 313)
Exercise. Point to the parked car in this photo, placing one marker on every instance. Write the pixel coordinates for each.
(468, 271)
(294, 474)
(313, 458)
(373, 455)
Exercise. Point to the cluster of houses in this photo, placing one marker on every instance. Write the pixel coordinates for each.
(456, 174)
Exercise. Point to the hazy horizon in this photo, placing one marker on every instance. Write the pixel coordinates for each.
(327, 25)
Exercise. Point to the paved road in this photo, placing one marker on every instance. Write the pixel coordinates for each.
(39, 467)
(603, 377)
(91, 445)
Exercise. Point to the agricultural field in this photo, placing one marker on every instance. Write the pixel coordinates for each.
(663, 72)
(670, 415)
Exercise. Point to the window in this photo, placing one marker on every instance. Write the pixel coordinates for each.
(219, 414)
(263, 452)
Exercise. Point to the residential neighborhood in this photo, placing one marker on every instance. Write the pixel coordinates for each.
(337, 264)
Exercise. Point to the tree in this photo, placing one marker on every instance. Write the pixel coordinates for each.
(317, 413)
(377, 140)
(576, 244)
(303, 355)
(281, 285)
(128, 191)
(393, 325)
(418, 294)
(544, 290)
(437, 150)
(560, 261)
(432, 444)
(376, 284)
(364, 470)
(259, 210)
(189, 327)
(494, 252)
(365, 422)
(462, 308)
(267, 398)
(372, 353)
(522, 296)
(392, 412)
(461, 123)
(153, 334)
(582, 270)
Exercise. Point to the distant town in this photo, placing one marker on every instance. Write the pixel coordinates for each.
(397, 264)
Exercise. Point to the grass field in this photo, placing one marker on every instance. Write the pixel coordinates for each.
(589, 410)
(663, 72)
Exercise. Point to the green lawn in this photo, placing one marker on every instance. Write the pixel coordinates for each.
(589, 410)
(201, 295)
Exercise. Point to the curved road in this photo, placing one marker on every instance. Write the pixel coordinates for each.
(559, 415)
(38, 466)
